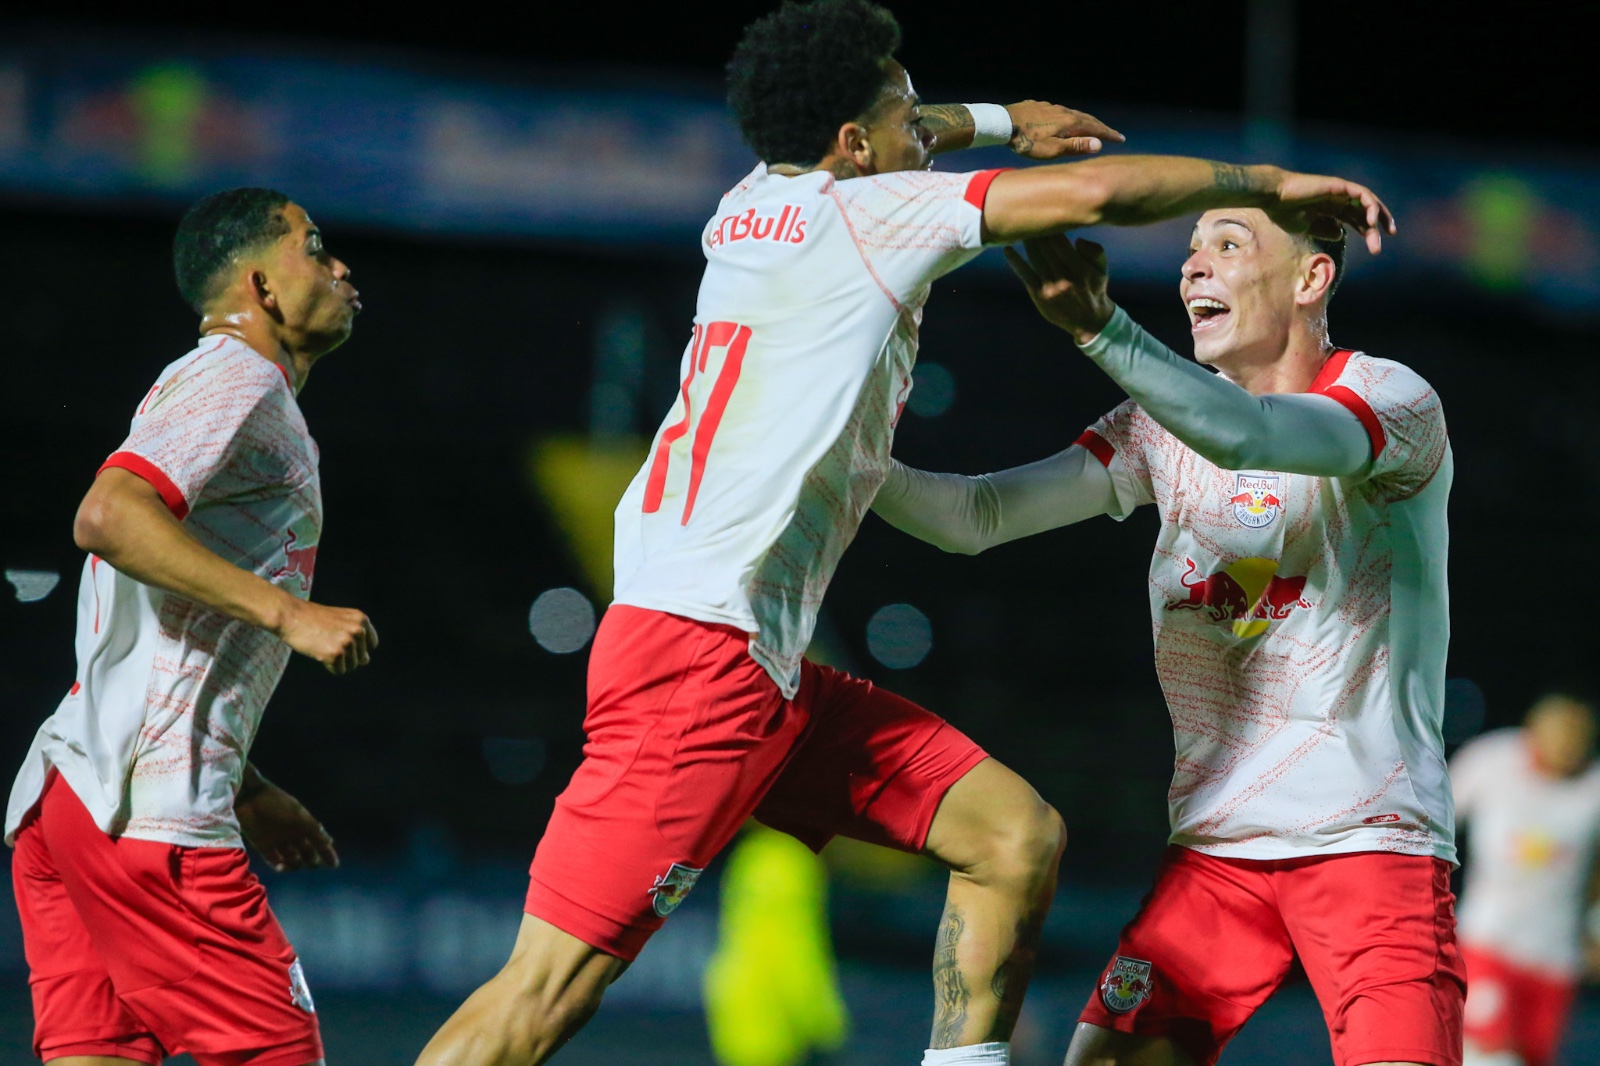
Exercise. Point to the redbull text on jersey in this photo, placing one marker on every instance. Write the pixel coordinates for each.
(786, 227)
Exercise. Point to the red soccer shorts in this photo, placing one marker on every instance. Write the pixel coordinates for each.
(1515, 1008)
(687, 738)
(1374, 931)
(140, 950)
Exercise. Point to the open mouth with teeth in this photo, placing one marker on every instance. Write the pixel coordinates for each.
(1206, 313)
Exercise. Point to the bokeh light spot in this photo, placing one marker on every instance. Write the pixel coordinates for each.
(899, 636)
(562, 620)
(933, 390)
(514, 760)
(33, 585)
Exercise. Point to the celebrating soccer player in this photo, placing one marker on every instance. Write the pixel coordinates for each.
(1531, 798)
(702, 710)
(145, 932)
(1299, 607)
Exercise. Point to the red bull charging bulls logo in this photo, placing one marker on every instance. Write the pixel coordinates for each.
(298, 562)
(1247, 595)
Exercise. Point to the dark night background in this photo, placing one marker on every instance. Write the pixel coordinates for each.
(472, 349)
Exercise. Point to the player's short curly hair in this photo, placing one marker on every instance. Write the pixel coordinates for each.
(216, 230)
(804, 70)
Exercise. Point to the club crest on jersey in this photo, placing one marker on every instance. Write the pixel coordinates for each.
(671, 887)
(1255, 500)
(299, 991)
(785, 227)
(1126, 985)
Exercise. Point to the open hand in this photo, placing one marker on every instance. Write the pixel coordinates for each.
(1308, 202)
(279, 827)
(1067, 282)
(340, 638)
(1041, 130)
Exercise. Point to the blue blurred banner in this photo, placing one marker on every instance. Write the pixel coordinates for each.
(397, 145)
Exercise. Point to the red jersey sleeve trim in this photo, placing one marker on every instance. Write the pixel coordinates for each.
(978, 186)
(1361, 410)
(135, 463)
(1097, 446)
(1331, 370)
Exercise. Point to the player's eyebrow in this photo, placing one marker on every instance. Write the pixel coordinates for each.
(1241, 223)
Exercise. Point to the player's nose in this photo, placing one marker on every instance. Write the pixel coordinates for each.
(341, 270)
(1197, 266)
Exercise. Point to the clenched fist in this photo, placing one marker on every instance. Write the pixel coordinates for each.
(340, 638)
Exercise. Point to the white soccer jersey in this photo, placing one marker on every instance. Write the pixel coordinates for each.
(1533, 846)
(1300, 629)
(154, 733)
(805, 333)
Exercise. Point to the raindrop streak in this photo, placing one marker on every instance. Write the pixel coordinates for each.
(33, 585)
(933, 390)
(899, 636)
(562, 620)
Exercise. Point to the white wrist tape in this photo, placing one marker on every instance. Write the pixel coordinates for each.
(991, 124)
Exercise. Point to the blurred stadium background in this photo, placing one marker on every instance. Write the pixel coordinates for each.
(520, 203)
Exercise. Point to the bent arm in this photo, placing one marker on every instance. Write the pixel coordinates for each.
(1123, 191)
(123, 520)
(1295, 433)
(963, 514)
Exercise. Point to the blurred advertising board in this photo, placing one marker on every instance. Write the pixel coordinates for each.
(396, 143)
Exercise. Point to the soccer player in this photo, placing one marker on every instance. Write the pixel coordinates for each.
(702, 711)
(145, 932)
(1299, 606)
(1532, 799)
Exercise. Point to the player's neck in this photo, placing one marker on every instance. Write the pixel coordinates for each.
(1292, 369)
(261, 335)
(837, 165)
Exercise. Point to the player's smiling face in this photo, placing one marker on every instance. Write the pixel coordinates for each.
(1239, 286)
(315, 297)
(894, 126)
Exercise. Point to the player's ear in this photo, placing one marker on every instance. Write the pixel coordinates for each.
(852, 143)
(262, 291)
(1316, 278)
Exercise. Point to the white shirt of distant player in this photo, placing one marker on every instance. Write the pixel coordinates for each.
(154, 734)
(805, 333)
(1300, 628)
(1533, 845)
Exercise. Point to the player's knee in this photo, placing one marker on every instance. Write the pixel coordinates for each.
(1031, 844)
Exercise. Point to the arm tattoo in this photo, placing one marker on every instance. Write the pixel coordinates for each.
(1230, 177)
(944, 121)
(950, 993)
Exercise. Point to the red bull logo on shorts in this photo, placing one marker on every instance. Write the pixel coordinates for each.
(671, 887)
(1256, 500)
(1248, 595)
(1126, 985)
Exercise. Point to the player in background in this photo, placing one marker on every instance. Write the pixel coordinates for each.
(1298, 598)
(146, 934)
(702, 711)
(1531, 799)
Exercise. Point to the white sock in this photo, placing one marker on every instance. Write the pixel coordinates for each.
(997, 1053)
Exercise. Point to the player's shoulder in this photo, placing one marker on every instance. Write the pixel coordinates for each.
(220, 366)
(1497, 745)
(1365, 372)
(907, 186)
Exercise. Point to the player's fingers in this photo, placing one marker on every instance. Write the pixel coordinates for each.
(1060, 261)
(1093, 252)
(1020, 267)
(371, 631)
(1074, 146)
(1089, 126)
(325, 851)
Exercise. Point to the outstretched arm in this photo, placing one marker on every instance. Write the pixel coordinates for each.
(969, 514)
(1297, 433)
(1136, 189)
(123, 520)
(1033, 129)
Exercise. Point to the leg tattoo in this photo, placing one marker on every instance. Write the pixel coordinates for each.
(950, 994)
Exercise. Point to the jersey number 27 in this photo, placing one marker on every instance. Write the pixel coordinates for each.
(708, 401)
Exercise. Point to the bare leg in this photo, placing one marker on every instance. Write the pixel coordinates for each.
(1093, 1045)
(1003, 845)
(544, 994)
